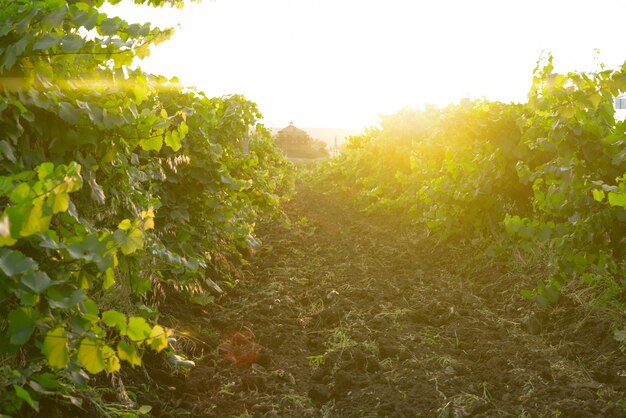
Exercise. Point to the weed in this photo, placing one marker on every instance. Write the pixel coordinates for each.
(316, 360)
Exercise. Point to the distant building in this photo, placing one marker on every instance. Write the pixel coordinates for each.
(297, 143)
(620, 107)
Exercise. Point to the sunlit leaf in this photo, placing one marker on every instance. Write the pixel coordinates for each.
(90, 355)
(154, 143)
(129, 242)
(37, 220)
(111, 360)
(158, 338)
(44, 170)
(60, 202)
(138, 329)
(55, 348)
(128, 352)
(617, 199)
(109, 279)
(598, 195)
(124, 225)
(172, 140)
(115, 319)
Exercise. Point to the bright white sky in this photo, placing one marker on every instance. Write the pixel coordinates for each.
(341, 63)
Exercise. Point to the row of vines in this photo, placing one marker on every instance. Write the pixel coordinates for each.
(546, 175)
(113, 182)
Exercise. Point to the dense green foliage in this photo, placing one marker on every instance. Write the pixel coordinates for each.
(551, 171)
(451, 169)
(112, 182)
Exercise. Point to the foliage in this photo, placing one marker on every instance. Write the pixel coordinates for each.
(96, 164)
(552, 169)
(450, 169)
(575, 166)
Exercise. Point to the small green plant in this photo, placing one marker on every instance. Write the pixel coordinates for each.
(316, 361)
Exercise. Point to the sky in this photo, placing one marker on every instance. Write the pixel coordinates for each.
(342, 63)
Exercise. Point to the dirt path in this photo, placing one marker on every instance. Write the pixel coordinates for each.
(341, 317)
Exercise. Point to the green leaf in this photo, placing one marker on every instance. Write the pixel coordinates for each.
(37, 281)
(40, 389)
(47, 42)
(154, 143)
(551, 294)
(90, 355)
(90, 311)
(7, 150)
(69, 113)
(129, 242)
(109, 278)
(22, 324)
(109, 26)
(59, 202)
(21, 193)
(115, 319)
(598, 195)
(111, 360)
(172, 140)
(89, 249)
(13, 262)
(72, 43)
(158, 337)
(617, 199)
(138, 329)
(55, 348)
(53, 20)
(37, 220)
(595, 100)
(7, 59)
(124, 225)
(44, 170)
(144, 409)
(24, 395)
(128, 352)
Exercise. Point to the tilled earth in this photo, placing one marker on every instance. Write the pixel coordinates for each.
(342, 315)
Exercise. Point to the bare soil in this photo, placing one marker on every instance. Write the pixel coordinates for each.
(343, 315)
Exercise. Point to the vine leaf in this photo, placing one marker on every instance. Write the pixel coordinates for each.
(128, 352)
(172, 140)
(158, 338)
(37, 281)
(38, 220)
(25, 396)
(151, 144)
(129, 242)
(22, 324)
(55, 348)
(13, 262)
(115, 319)
(138, 328)
(617, 199)
(90, 355)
